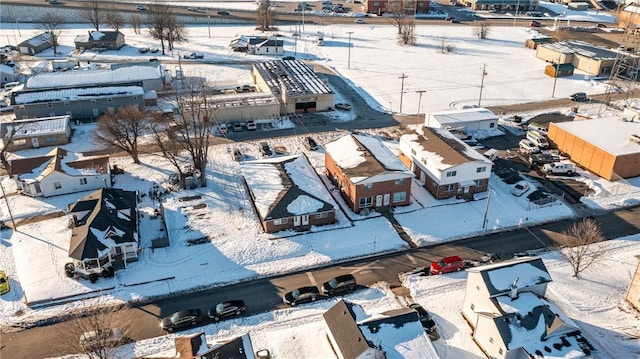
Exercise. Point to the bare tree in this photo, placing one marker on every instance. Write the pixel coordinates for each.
(122, 129)
(12, 131)
(407, 34)
(161, 22)
(400, 14)
(578, 242)
(94, 332)
(114, 18)
(135, 20)
(52, 24)
(176, 32)
(481, 30)
(444, 45)
(264, 15)
(92, 12)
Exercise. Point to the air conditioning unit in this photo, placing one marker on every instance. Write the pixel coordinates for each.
(635, 138)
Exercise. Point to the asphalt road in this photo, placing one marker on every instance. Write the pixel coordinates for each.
(264, 295)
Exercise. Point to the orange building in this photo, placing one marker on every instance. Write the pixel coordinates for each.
(608, 147)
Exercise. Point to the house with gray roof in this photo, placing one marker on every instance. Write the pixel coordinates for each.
(105, 40)
(35, 44)
(104, 230)
(510, 317)
(195, 346)
(368, 175)
(288, 194)
(446, 166)
(35, 132)
(257, 45)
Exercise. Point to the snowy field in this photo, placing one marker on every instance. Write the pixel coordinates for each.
(240, 249)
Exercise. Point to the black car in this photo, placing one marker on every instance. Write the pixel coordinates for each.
(265, 149)
(301, 295)
(425, 318)
(223, 13)
(227, 309)
(310, 144)
(340, 285)
(288, 58)
(183, 318)
(578, 96)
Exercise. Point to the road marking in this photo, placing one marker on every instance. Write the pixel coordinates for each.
(368, 266)
(411, 259)
(313, 280)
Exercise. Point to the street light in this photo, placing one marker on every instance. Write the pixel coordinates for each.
(349, 55)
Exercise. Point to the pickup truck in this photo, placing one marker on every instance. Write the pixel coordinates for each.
(542, 158)
(194, 55)
(559, 168)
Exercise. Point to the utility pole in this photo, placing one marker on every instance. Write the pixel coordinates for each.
(555, 78)
(420, 92)
(484, 73)
(4, 195)
(349, 53)
(209, 23)
(402, 90)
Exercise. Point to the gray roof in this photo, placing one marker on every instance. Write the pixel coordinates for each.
(34, 127)
(294, 77)
(340, 321)
(582, 48)
(528, 271)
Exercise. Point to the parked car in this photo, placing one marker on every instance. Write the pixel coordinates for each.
(5, 287)
(223, 12)
(195, 9)
(237, 127)
(426, 320)
(301, 295)
(578, 96)
(245, 88)
(227, 309)
(520, 188)
(265, 149)
(194, 55)
(559, 168)
(288, 58)
(141, 7)
(181, 319)
(223, 128)
(455, 21)
(143, 50)
(528, 147)
(310, 144)
(251, 125)
(340, 285)
(101, 338)
(237, 154)
(360, 21)
(343, 106)
(535, 23)
(447, 265)
(542, 158)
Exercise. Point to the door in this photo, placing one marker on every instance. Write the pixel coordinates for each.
(34, 142)
(296, 221)
(305, 219)
(385, 201)
(379, 200)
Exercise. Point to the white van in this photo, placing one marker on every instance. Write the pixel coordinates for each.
(533, 126)
(9, 85)
(538, 138)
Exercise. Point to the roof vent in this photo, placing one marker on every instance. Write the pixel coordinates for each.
(635, 138)
(513, 289)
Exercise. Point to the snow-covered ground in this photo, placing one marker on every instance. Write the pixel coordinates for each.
(34, 256)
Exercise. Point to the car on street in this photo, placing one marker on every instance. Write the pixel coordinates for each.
(578, 96)
(301, 295)
(528, 147)
(237, 127)
(340, 285)
(101, 338)
(447, 265)
(223, 12)
(227, 309)
(141, 7)
(535, 23)
(343, 106)
(194, 55)
(288, 58)
(310, 143)
(194, 9)
(360, 21)
(426, 320)
(181, 319)
(251, 125)
(520, 188)
(455, 21)
(265, 149)
(4, 283)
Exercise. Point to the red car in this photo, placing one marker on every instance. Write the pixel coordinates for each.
(535, 24)
(447, 265)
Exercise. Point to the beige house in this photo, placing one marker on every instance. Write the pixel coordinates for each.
(593, 60)
(633, 293)
(510, 317)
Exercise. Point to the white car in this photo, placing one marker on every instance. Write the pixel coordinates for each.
(360, 21)
(141, 7)
(528, 147)
(520, 188)
(251, 125)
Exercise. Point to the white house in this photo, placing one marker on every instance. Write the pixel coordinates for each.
(270, 46)
(468, 119)
(505, 306)
(445, 165)
(60, 172)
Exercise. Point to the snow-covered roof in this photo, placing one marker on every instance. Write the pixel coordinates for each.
(59, 160)
(581, 48)
(38, 40)
(286, 186)
(294, 77)
(462, 116)
(438, 149)
(609, 134)
(116, 75)
(73, 94)
(362, 156)
(35, 127)
(523, 272)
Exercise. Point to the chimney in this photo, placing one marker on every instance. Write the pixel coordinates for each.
(513, 289)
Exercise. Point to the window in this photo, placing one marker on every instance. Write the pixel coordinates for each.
(450, 187)
(376, 4)
(20, 142)
(478, 288)
(399, 197)
(473, 306)
(280, 221)
(368, 186)
(492, 125)
(481, 169)
(479, 183)
(57, 185)
(366, 202)
(83, 181)
(322, 215)
(451, 173)
(49, 105)
(423, 160)
(500, 351)
(51, 139)
(93, 100)
(399, 182)
(491, 340)
(413, 152)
